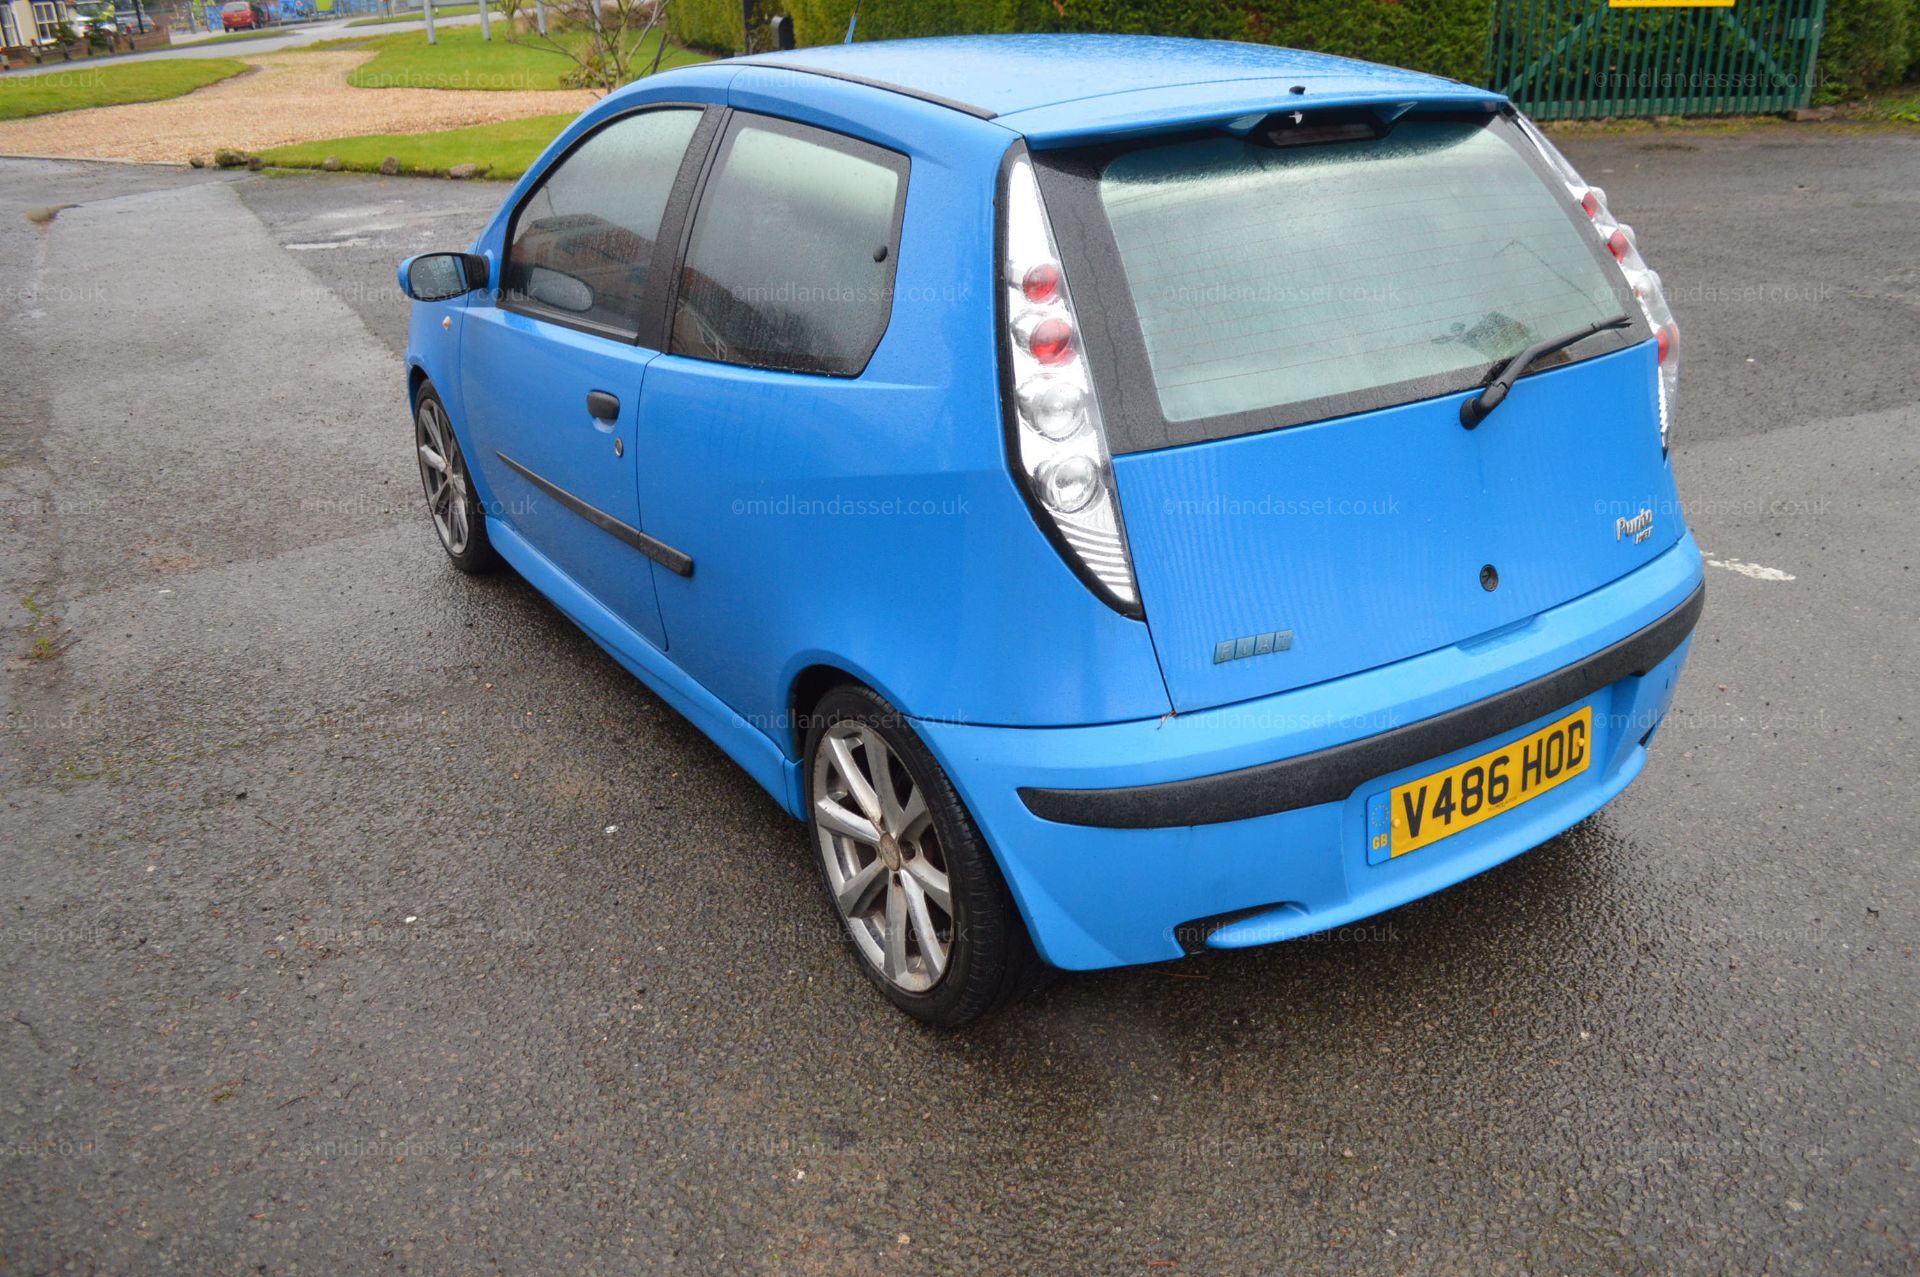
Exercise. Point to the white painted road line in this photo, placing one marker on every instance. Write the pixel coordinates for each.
(1753, 570)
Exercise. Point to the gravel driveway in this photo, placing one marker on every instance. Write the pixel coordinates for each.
(298, 97)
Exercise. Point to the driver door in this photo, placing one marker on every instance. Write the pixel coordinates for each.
(553, 362)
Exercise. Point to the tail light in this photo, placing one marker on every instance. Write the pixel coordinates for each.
(1642, 279)
(1057, 440)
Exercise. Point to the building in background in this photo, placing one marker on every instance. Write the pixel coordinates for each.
(29, 22)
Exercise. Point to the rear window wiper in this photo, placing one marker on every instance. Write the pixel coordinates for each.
(1475, 410)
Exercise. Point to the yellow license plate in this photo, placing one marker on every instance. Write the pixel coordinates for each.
(1424, 811)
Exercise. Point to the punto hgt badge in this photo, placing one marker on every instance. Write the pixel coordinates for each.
(1639, 527)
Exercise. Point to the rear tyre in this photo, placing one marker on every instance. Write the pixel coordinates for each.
(451, 503)
(919, 897)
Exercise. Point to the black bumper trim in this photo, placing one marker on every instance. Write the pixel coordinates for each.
(1329, 775)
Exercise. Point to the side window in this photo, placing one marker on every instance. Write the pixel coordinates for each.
(581, 245)
(790, 265)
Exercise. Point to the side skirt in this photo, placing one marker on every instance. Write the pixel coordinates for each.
(743, 742)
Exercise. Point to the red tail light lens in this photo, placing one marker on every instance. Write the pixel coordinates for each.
(1590, 203)
(1051, 341)
(1663, 339)
(1618, 244)
(1041, 283)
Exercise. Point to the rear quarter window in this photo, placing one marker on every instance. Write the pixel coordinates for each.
(1266, 286)
(791, 260)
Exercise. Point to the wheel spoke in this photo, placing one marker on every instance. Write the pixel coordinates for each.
(857, 784)
(880, 759)
(931, 950)
(433, 459)
(437, 427)
(441, 500)
(832, 816)
(896, 937)
(932, 882)
(856, 894)
(913, 816)
(457, 508)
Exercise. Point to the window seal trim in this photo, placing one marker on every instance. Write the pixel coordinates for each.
(832, 138)
(1129, 400)
(650, 310)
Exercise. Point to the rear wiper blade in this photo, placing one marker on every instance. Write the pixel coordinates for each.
(1474, 411)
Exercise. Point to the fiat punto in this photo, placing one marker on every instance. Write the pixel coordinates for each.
(1126, 495)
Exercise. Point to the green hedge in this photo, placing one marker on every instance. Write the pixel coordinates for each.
(1868, 46)
(713, 25)
(1444, 36)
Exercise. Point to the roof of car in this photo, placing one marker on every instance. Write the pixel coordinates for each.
(996, 76)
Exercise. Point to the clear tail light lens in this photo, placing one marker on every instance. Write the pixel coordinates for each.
(1058, 442)
(1641, 278)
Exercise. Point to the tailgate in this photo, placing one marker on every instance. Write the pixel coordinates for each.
(1287, 313)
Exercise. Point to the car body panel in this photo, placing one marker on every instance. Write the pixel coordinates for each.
(1096, 897)
(1363, 538)
(846, 516)
(1008, 75)
(525, 386)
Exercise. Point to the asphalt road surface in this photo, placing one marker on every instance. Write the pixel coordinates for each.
(360, 917)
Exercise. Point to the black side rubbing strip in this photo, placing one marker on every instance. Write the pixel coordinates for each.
(1329, 775)
(952, 104)
(659, 551)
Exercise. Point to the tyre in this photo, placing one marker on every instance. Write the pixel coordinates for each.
(920, 900)
(456, 513)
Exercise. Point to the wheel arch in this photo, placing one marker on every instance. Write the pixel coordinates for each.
(416, 378)
(804, 692)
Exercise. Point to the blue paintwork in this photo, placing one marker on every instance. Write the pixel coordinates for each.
(1365, 535)
(872, 525)
(1012, 74)
(1104, 897)
(791, 492)
(554, 369)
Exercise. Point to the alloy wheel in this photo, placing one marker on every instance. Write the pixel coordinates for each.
(443, 473)
(884, 863)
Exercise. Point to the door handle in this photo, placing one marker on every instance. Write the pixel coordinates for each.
(603, 406)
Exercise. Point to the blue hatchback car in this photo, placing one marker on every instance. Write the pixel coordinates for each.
(1126, 495)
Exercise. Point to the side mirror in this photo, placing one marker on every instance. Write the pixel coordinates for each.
(437, 277)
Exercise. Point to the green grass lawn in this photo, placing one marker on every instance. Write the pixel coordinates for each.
(506, 149)
(462, 60)
(451, 11)
(110, 85)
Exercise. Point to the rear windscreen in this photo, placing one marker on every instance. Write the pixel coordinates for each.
(1264, 275)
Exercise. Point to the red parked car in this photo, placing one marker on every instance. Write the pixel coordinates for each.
(241, 15)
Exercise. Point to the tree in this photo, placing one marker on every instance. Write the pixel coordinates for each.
(603, 38)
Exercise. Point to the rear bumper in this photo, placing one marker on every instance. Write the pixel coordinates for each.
(1256, 812)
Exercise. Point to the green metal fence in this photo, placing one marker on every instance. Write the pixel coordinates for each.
(1579, 59)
